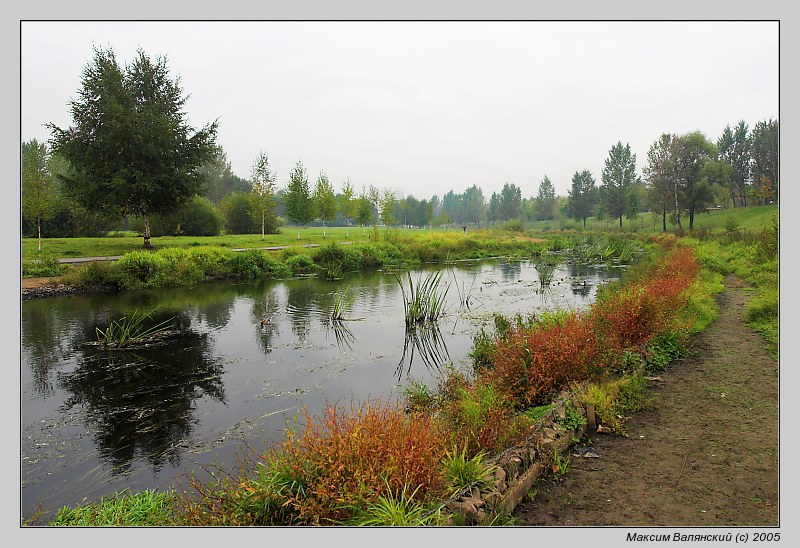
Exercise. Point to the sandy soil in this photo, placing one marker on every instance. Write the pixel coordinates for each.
(707, 455)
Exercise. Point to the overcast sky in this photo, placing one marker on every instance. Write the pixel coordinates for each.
(426, 107)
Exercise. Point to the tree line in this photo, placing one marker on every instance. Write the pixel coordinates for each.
(130, 160)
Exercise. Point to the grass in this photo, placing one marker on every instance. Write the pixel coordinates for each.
(130, 330)
(462, 472)
(397, 508)
(145, 508)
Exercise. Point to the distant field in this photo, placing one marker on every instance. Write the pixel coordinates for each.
(119, 245)
(749, 218)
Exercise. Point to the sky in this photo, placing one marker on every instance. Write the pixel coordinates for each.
(424, 107)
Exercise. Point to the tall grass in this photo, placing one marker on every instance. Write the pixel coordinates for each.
(425, 301)
(130, 330)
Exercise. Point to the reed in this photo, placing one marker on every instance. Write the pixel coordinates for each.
(342, 303)
(424, 302)
(130, 329)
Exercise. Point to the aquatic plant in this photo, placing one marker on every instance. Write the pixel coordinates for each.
(342, 303)
(130, 330)
(424, 302)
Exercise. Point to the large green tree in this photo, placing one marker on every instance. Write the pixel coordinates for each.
(133, 151)
(262, 179)
(297, 197)
(693, 158)
(619, 177)
(510, 201)
(474, 208)
(545, 200)
(734, 148)
(582, 195)
(324, 201)
(765, 154)
(39, 192)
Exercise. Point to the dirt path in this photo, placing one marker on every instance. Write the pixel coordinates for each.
(707, 455)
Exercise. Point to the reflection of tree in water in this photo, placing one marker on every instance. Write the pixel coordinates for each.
(427, 341)
(141, 402)
(265, 307)
(300, 297)
(46, 338)
(510, 272)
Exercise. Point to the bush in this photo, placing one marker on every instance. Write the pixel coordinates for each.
(344, 459)
(532, 364)
(47, 266)
(301, 264)
(254, 263)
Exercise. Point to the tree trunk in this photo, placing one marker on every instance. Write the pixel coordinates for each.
(263, 222)
(691, 218)
(664, 219)
(298, 232)
(584, 222)
(620, 221)
(324, 231)
(39, 226)
(147, 232)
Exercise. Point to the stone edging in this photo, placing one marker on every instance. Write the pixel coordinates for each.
(517, 468)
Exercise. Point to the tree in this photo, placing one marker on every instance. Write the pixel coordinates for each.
(364, 210)
(239, 213)
(297, 197)
(219, 179)
(582, 195)
(39, 192)
(692, 154)
(388, 204)
(509, 203)
(347, 204)
(765, 153)
(132, 149)
(659, 177)
(545, 200)
(734, 148)
(263, 191)
(474, 206)
(324, 201)
(619, 176)
(197, 217)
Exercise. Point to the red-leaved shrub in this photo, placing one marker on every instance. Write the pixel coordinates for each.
(532, 363)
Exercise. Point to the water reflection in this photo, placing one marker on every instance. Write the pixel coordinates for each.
(426, 341)
(262, 315)
(344, 336)
(300, 296)
(140, 403)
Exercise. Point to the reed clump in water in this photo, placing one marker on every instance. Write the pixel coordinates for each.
(424, 302)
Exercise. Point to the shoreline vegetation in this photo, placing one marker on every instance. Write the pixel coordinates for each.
(376, 463)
